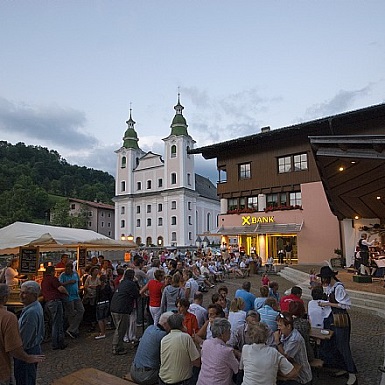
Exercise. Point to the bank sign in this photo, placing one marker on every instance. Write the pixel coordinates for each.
(248, 220)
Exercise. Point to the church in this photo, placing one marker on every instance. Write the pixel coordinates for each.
(160, 200)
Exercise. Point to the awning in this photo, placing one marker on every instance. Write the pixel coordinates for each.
(262, 228)
(52, 238)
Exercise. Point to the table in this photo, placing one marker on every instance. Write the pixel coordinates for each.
(91, 376)
(316, 335)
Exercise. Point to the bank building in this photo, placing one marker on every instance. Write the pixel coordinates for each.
(159, 199)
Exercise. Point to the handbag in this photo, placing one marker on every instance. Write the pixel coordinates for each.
(340, 320)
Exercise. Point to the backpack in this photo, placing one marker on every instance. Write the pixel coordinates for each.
(2, 275)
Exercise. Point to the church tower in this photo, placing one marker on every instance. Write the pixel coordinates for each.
(179, 165)
(127, 160)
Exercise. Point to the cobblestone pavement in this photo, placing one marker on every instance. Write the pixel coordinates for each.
(367, 343)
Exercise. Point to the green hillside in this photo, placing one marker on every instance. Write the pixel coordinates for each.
(33, 179)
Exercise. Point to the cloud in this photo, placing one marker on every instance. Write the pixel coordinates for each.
(341, 102)
(53, 125)
(216, 119)
(98, 157)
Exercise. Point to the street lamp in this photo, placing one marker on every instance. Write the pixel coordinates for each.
(130, 237)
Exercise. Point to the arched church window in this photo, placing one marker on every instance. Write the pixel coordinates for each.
(173, 151)
(124, 162)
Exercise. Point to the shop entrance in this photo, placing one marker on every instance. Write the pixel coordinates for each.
(278, 242)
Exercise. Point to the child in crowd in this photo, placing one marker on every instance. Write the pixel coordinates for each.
(313, 278)
(265, 280)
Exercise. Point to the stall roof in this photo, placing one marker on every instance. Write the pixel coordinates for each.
(50, 238)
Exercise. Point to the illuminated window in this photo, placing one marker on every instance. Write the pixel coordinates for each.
(244, 171)
(252, 203)
(291, 163)
(296, 199)
(300, 162)
(284, 164)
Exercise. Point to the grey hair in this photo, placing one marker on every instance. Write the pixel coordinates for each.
(219, 327)
(164, 317)
(258, 332)
(175, 321)
(4, 292)
(31, 287)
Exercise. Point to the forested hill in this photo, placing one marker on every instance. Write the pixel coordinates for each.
(30, 174)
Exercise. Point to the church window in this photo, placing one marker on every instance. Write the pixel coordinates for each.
(160, 182)
(148, 184)
(148, 222)
(189, 179)
(160, 221)
(124, 162)
(139, 185)
(122, 210)
(123, 186)
(173, 205)
(173, 178)
(173, 151)
(173, 220)
(173, 236)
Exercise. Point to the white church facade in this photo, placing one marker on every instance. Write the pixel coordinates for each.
(159, 200)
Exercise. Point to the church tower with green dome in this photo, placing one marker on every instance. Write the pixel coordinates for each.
(127, 159)
(179, 165)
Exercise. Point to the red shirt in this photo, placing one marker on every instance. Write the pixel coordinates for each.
(155, 292)
(191, 323)
(49, 286)
(285, 301)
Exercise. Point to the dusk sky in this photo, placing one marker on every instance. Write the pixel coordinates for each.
(70, 69)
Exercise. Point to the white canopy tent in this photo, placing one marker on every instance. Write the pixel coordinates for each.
(51, 238)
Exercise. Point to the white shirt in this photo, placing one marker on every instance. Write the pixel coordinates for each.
(340, 295)
(261, 364)
(317, 313)
(237, 319)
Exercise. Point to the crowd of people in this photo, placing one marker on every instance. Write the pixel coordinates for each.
(245, 340)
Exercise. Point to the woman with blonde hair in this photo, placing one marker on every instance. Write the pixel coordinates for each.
(237, 316)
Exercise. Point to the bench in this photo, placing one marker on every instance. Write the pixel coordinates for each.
(91, 376)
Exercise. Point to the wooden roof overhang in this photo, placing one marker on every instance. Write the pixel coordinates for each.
(352, 171)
